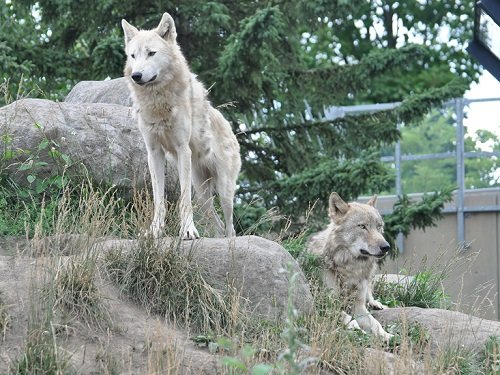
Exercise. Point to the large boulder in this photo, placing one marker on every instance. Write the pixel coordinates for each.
(445, 327)
(113, 91)
(254, 265)
(103, 137)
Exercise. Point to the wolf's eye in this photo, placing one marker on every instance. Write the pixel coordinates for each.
(151, 53)
(132, 56)
(362, 226)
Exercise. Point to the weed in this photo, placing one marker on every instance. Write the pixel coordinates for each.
(492, 356)
(42, 354)
(425, 289)
(4, 317)
(77, 294)
(458, 360)
(291, 360)
(107, 363)
(310, 263)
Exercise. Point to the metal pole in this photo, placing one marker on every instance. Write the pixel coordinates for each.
(459, 110)
(399, 186)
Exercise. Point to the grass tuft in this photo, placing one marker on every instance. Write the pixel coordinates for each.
(168, 283)
(77, 294)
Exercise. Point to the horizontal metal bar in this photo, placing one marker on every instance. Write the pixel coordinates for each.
(471, 209)
(482, 100)
(443, 155)
(467, 209)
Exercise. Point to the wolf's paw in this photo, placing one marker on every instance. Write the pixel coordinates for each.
(386, 336)
(376, 305)
(190, 232)
(230, 233)
(354, 325)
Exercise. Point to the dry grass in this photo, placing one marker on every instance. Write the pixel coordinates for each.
(42, 353)
(167, 283)
(77, 293)
(4, 317)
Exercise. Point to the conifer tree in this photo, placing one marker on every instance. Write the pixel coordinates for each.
(281, 64)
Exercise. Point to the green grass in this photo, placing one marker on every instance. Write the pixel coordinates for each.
(424, 289)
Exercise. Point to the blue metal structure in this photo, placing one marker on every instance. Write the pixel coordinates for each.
(485, 46)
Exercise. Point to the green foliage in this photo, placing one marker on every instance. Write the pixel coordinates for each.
(29, 194)
(282, 64)
(424, 289)
(437, 134)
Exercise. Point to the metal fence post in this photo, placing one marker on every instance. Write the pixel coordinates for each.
(459, 110)
(399, 186)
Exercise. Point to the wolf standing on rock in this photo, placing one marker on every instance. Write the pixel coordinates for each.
(175, 116)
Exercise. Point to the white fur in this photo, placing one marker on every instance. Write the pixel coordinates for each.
(175, 117)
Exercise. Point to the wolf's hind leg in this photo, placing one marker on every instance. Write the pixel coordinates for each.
(203, 186)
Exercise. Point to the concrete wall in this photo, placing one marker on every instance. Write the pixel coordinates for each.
(473, 282)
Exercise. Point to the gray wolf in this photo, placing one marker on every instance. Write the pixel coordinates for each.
(350, 247)
(176, 118)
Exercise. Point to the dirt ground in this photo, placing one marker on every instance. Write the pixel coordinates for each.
(134, 342)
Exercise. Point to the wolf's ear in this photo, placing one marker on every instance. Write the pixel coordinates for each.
(166, 28)
(337, 207)
(373, 201)
(129, 31)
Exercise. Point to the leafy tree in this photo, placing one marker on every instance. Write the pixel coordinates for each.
(437, 134)
(282, 64)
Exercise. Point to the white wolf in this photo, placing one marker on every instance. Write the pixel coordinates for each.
(175, 116)
(350, 247)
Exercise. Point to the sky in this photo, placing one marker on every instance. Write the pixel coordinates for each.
(484, 115)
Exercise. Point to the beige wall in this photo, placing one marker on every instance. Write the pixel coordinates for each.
(473, 282)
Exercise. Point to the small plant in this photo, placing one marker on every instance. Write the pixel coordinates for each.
(107, 363)
(27, 185)
(458, 360)
(42, 354)
(425, 289)
(492, 356)
(410, 337)
(4, 317)
(77, 294)
(310, 263)
(290, 361)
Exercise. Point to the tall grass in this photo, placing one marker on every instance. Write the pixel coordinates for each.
(42, 353)
(165, 282)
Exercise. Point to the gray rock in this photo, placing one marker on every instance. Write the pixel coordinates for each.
(446, 328)
(103, 137)
(113, 91)
(252, 264)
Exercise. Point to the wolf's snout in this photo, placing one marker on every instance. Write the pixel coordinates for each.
(136, 76)
(385, 249)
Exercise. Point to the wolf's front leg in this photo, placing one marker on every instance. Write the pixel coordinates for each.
(365, 320)
(187, 230)
(372, 302)
(156, 164)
